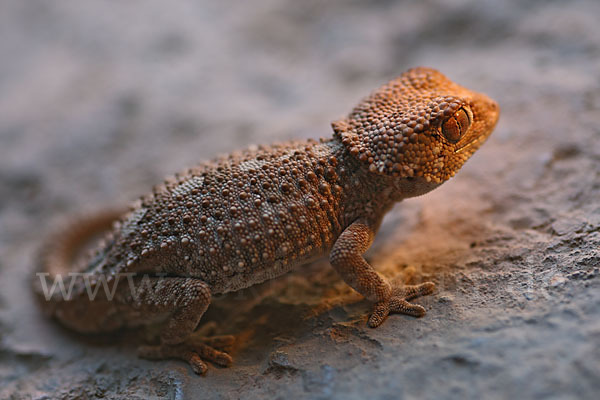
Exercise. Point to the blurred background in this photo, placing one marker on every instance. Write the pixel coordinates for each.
(101, 100)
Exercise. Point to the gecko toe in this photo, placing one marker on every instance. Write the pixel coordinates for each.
(379, 314)
(401, 306)
(198, 366)
(409, 292)
(224, 343)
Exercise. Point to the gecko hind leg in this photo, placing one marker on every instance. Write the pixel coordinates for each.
(183, 301)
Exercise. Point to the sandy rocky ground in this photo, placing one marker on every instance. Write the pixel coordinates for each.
(100, 100)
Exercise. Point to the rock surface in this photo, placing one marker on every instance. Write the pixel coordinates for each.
(100, 100)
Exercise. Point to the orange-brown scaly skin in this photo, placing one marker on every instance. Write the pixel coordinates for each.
(252, 216)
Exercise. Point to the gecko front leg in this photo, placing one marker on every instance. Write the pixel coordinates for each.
(347, 258)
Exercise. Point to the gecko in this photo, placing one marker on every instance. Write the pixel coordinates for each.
(256, 214)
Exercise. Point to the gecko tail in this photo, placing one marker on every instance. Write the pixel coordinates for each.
(62, 247)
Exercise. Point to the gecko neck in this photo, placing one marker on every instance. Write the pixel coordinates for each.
(371, 195)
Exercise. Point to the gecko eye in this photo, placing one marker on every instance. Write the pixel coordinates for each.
(456, 126)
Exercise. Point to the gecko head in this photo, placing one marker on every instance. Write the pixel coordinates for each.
(420, 124)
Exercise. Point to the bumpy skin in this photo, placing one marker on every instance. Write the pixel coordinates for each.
(254, 215)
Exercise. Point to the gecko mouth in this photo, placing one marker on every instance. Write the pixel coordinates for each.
(468, 145)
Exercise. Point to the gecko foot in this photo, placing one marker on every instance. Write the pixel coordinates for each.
(399, 302)
(194, 351)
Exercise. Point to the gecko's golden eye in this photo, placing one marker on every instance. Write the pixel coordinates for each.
(456, 126)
